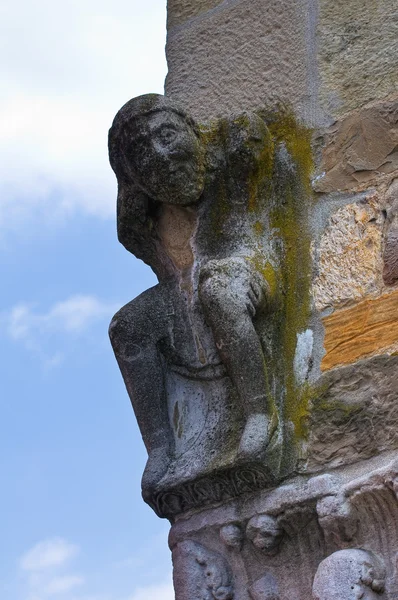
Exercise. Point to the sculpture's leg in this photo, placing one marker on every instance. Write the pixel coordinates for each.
(135, 333)
(230, 296)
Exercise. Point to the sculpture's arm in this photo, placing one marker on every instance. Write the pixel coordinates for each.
(136, 228)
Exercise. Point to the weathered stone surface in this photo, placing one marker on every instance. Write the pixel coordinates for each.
(219, 212)
(180, 11)
(390, 257)
(360, 148)
(265, 533)
(390, 271)
(355, 415)
(200, 574)
(367, 328)
(264, 588)
(338, 519)
(225, 56)
(357, 55)
(315, 531)
(349, 575)
(271, 421)
(349, 254)
(258, 55)
(232, 535)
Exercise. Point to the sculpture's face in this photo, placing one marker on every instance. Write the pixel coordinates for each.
(167, 158)
(249, 142)
(265, 533)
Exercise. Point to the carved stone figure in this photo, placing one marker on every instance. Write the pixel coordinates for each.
(263, 366)
(232, 536)
(338, 518)
(200, 574)
(193, 205)
(158, 159)
(265, 533)
(350, 575)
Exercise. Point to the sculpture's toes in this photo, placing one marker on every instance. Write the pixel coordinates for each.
(257, 434)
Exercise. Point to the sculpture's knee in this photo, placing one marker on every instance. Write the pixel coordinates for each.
(128, 332)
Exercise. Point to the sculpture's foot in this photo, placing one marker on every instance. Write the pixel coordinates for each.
(155, 468)
(257, 435)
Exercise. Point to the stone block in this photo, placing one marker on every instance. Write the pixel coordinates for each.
(359, 149)
(349, 254)
(355, 415)
(357, 53)
(316, 514)
(244, 54)
(180, 11)
(368, 328)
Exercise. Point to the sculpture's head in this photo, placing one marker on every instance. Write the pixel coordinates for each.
(350, 574)
(249, 143)
(265, 533)
(155, 145)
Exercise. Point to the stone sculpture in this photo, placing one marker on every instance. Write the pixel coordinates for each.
(220, 362)
(263, 366)
(350, 575)
(194, 204)
(200, 574)
(265, 533)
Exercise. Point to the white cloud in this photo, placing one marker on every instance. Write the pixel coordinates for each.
(62, 82)
(163, 591)
(71, 317)
(41, 566)
(47, 574)
(62, 584)
(49, 553)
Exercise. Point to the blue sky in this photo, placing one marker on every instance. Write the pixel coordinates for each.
(73, 524)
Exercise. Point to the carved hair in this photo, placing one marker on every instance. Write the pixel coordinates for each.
(135, 210)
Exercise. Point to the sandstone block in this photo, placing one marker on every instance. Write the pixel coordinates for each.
(256, 53)
(370, 327)
(349, 255)
(355, 415)
(360, 148)
(357, 54)
(180, 11)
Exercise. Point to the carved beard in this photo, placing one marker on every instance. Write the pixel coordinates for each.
(175, 182)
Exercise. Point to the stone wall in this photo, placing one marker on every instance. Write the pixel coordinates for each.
(334, 67)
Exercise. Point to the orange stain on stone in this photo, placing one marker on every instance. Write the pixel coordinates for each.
(365, 329)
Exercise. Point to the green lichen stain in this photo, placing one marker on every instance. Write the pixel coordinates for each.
(289, 222)
(336, 408)
(285, 129)
(258, 143)
(266, 270)
(258, 228)
(279, 197)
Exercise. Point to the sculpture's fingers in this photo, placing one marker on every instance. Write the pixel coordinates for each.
(253, 298)
(250, 307)
(256, 289)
